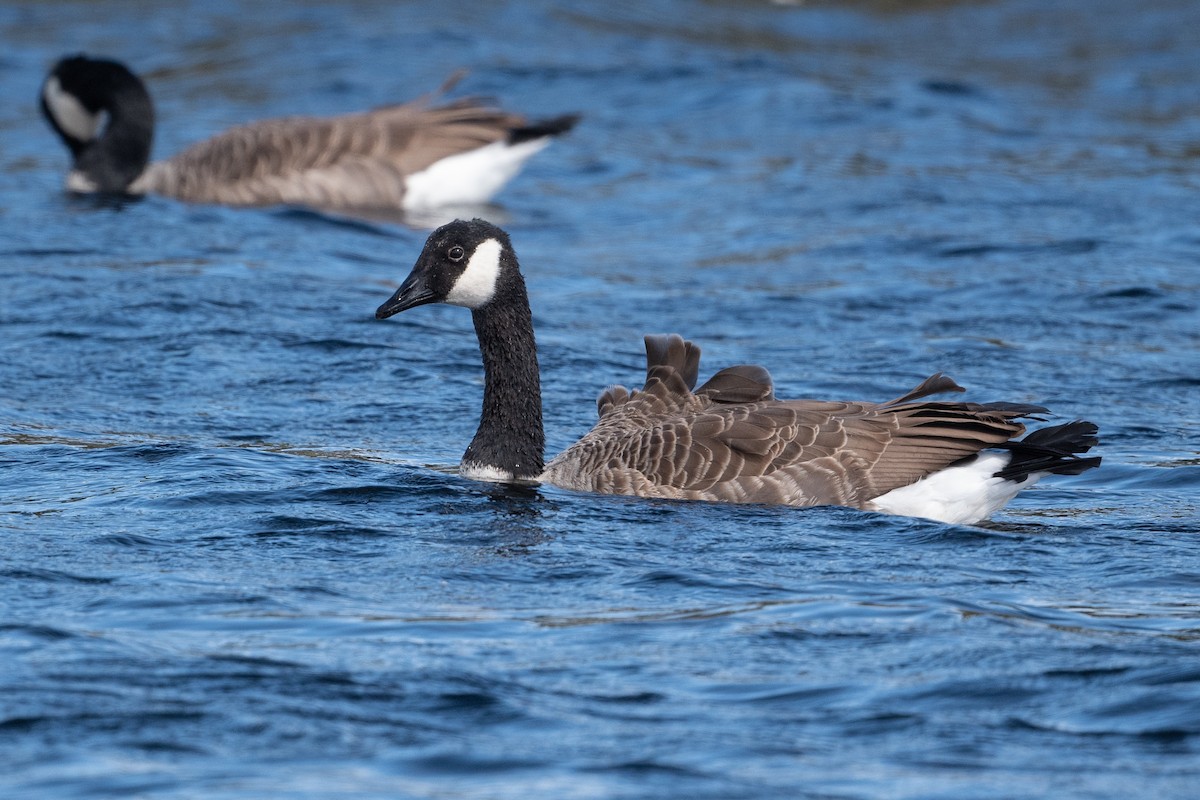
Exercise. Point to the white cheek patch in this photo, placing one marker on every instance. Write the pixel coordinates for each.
(476, 286)
(69, 113)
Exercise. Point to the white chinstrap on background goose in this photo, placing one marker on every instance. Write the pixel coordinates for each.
(729, 440)
(399, 158)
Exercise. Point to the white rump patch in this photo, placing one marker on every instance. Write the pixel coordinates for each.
(477, 284)
(69, 113)
(959, 495)
(470, 178)
(482, 472)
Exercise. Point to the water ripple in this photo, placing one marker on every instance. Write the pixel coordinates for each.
(238, 560)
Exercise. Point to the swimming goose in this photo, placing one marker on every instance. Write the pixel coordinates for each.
(405, 157)
(730, 439)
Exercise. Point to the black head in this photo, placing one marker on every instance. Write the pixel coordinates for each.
(79, 92)
(104, 115)
(463, 264)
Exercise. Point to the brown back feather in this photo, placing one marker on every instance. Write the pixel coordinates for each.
(731, 440)
(351, 160)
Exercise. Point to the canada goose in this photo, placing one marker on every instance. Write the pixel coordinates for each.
(729, 440)
(405, 157)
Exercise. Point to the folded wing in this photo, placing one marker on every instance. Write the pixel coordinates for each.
(731, 440)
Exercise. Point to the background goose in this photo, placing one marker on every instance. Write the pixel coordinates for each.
(402, 157)
(730, 439)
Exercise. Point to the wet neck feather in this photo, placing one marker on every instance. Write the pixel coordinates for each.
(115, 160)
(510, 438)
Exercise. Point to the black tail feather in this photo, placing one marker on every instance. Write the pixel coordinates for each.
(1054, 450)
(541, 128)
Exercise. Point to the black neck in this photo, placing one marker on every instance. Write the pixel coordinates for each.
(119, 156)
(510, 435)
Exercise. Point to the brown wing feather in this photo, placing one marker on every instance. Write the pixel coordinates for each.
(741, 384)
(730, 440)
(353, 160)
(674, 352)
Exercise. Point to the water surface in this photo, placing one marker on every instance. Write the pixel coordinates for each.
(237, 561)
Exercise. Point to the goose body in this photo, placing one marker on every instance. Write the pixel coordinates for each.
(406, 157)
(730, 439)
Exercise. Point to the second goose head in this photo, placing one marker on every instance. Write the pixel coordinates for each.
(104, 115)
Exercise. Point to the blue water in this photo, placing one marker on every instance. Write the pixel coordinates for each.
(236, 560)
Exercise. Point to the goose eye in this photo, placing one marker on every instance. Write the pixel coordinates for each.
(456, 253)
